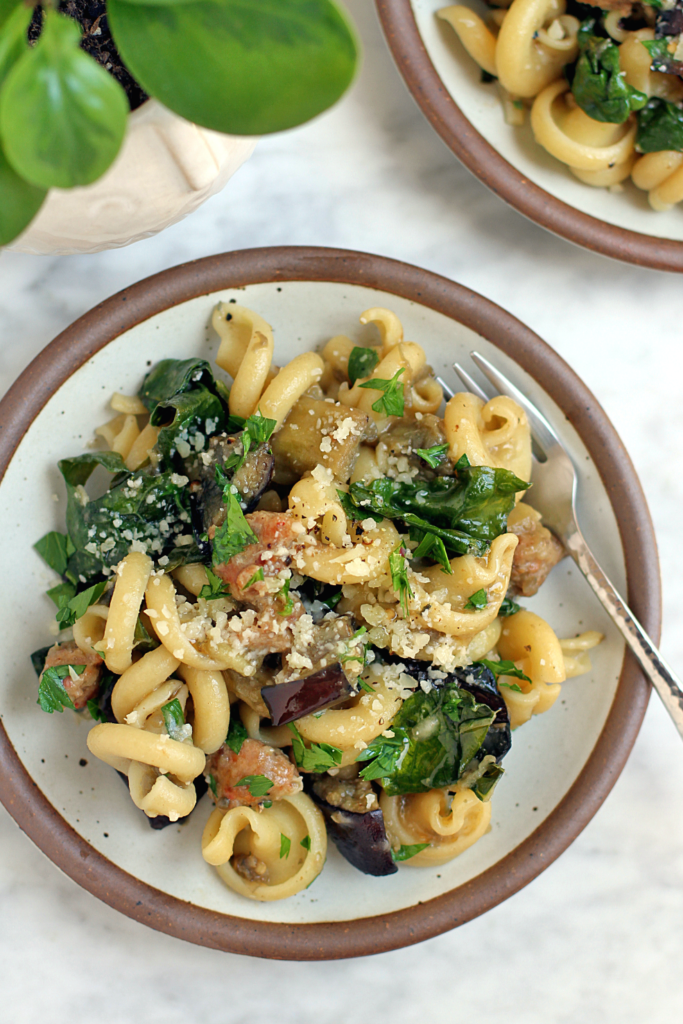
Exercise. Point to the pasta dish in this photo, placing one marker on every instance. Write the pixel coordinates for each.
(602, 87)
(298, 598)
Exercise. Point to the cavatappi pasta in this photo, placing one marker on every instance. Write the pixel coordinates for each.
(298, 593)
(603, 88)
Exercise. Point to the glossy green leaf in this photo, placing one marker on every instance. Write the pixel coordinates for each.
(62, 116)
(247, 67)
(13, 38)
(19, 202)
(7, 7)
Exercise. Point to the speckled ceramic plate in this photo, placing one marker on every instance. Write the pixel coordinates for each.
(562, 764)
(446, 84)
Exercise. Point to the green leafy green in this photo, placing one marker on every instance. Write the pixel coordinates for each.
(246, 67)
(477, 601)
(174, 719)
(237, 734)
(406, 852)
(466, 512)
(142, 639)
(62, 116)
(398, 567)
(213, 786)
(38, 659)
(435, 736)
(357, 654)
(390, 401)
(7, 8)
(96, 712)
(71, 606)
(504, 668)
(362, 362)
(319, 757)
(258, 785)
(599, 84)
(306, 842)
(215, 588)
(363, 684)
(171, 377)
(13, 36)
(52, 694)
(435, 455)
(430, 546)
(147, 508)
(285, 845)
(509, 607)
(234, 534)
(660, 53)
(56, 549)
(256, 578)
(660, 126)
(333, 600)
(487, 781)
(288, 603)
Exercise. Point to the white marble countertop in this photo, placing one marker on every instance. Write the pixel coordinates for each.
(598, 936)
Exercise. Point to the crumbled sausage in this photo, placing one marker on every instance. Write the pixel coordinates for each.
(255, 758)
(85, 686)
(537, 552)
(279, 540)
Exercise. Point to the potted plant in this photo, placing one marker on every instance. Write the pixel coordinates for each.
(155, 101)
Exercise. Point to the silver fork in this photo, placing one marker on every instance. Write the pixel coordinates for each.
(554, 496)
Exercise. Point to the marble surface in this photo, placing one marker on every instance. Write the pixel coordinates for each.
(598, 936)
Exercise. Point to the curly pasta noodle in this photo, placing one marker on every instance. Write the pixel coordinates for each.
(427, 818)
(256, 838)
(528, 641)
(495, 433)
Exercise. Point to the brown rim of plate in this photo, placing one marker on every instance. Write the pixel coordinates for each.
(486, 163)
(45, 826)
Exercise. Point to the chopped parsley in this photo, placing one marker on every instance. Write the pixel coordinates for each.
(211, 779)
(235, 533)
(398, 567)
(96, 712)
(432, 546)
(477, 601)
(174, 719)
(362, 362)
(56, 549)
(71, 606)
(52, 694)
(390, 401)
(319, 757)
(237, 734)
(406, 852)
(366, 686)
(258, 785)
(306, 842)
(256, 578)
(358, 656)
(435, 455)
(215, 588)
(509, 607)
(505, 668)
(285, 845)
(256, 430)
(288, 605)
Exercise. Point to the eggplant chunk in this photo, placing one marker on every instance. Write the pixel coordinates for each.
(251, 479)
(403, 439)
(318, 432)
(360, 838)
(323, 689)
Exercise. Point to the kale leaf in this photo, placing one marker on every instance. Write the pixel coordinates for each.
(148, 507)
(660, 126)
(466, 512)
(599, 85)
(436, 735)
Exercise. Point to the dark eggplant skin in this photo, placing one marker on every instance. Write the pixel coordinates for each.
(360, 838)
(669, 23)
(481, 683)
(323, 689)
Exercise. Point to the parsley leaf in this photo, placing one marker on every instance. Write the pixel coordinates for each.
(288, 606)
(211, 779)
(432, 546)
(174, 719)
(56, 549)
(96, 712)
(435, 455)
(509, 607)
(463, 462)
(316, 758)
(398, 567)
(258, 785)
(504, 668)
(215, 588)
(255, 431)
(52, 694)
(237, 734)
(391, 401)
(478, 600)
(285, 846)
(72, 606)
(364, 685)
(306, 842)
(142, 639)
(235, 533)
(333, 600)
(256, 578)
(362, 362)
(406, 852)
(358, 655)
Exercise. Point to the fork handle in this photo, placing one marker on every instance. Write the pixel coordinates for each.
(653, 665)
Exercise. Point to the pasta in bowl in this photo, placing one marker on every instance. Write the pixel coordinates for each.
(75, 806)
(299, 593)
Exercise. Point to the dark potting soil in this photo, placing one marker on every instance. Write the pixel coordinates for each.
(97, 41)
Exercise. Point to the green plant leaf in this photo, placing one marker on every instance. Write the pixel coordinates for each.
(13, 37)
(247, 67)
(19, 202)
(8, 7)
(62, 116)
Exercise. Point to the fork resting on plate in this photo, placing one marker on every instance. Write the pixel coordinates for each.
(554, 496)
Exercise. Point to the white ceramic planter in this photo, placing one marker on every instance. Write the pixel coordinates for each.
(166, 168)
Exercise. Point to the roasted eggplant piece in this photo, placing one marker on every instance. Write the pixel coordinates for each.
(360, 838)
(323, 689)
(403, 439)
(669, 23)
(317, 431)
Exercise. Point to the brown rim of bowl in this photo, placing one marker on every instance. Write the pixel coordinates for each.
(486, 163)
(45, 826)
